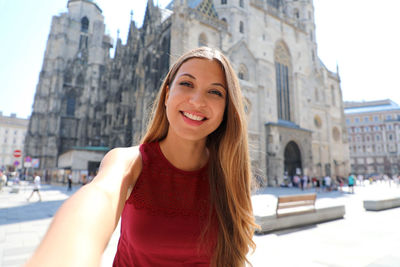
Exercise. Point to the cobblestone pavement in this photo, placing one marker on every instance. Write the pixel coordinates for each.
(361, 239)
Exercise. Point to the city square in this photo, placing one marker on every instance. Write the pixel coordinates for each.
(362, 238)
(281, 100)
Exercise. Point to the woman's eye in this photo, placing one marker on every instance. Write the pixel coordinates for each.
(216, 92)
(185, 84)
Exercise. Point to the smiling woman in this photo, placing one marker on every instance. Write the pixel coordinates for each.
(183, 195)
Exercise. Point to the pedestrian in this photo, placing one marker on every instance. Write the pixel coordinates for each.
(69, 182)
(351, 181)
(327, 183)
(36, 187)
(304, 181)
(184, 193)
(3, 180)
(341, 183)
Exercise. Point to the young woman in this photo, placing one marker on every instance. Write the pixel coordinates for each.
(183, 195)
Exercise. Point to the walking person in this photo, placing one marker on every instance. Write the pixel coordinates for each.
(69, 188)
(183, 194)
(36, 187)
(351, 182)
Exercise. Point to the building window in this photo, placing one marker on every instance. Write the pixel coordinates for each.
(223, 2)
(376, 118)
(203, 39)
(317, 122)
(241, 27)
(336, 134)
(389, 117)
(241, 4)
(296, 14)
(70, 105)
(347, 121)
(366, 119)
(84, 24)
(377, 137)
(282, 74)
(243, 73)
(224, 20)
(357, 120)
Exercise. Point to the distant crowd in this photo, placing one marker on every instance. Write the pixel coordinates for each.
(328, 183)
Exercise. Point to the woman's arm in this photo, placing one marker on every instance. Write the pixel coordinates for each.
(82, 227)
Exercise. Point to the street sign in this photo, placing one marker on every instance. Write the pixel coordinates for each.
(17, 153)
(28, 159)
(16, 163)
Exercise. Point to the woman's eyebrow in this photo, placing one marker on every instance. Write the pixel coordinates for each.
(187, 74)
(219, 84)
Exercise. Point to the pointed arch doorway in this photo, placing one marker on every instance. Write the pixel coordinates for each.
(292, 159)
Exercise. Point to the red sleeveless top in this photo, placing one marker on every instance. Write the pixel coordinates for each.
(164, 217)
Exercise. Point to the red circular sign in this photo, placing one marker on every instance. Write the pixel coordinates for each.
(17, 153)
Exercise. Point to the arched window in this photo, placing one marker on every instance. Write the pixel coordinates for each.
(203, 40)
(241, 4)
(84, 24)
(80, 80)
(317, 122)
(243, 73)
(224, 20)
(223, 2)
(282, 73)
(68, 77)
(241, 27)
(296, 13)
(70, 110)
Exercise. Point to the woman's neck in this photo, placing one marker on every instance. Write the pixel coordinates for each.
(185, 154)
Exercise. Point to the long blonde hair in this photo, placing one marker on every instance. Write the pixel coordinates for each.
(229, 163)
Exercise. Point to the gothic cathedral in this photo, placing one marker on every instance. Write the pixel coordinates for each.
(86, 97)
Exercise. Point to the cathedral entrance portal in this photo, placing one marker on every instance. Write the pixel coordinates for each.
(292, 159)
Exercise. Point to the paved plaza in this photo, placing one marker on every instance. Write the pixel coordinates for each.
(362, 238)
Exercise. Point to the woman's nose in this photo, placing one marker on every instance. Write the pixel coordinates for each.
(197, 98)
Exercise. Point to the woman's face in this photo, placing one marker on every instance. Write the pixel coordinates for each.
(196, 99)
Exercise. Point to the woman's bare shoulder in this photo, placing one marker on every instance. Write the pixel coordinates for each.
(122, 156)
(121, 163)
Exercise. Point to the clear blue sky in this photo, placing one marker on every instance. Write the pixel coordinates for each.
(362, 36)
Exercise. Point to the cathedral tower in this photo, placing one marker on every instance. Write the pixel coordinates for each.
(63, 113)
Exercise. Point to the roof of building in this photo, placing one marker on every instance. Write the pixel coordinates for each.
(370, 106)
(204, 6)
(91, 148)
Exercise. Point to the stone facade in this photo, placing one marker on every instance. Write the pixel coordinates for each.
(374, 137)
(294, 103)
(12, 136)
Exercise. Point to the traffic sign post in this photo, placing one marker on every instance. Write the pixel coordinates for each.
(17, 153)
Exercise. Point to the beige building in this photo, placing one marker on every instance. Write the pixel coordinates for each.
(12, 137)
(294, 103)
(374, 137)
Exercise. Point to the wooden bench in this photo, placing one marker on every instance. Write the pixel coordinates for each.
(295, 204)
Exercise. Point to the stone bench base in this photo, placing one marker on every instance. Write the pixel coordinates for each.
(273, 223)
(381, 204)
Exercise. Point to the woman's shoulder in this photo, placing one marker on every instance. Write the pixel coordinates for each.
(125, 157)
